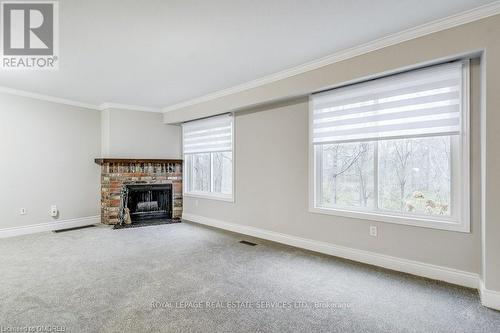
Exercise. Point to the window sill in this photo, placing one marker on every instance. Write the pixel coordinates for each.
(412, 221)
(211, 196)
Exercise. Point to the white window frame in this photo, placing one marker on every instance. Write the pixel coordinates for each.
(187, 177)
(460, 152)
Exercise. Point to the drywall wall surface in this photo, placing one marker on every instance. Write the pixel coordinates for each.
(47, 158)
(137, 134)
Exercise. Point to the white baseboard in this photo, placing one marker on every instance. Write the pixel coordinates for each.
(49, 226)
(489, 298)
(458, 277)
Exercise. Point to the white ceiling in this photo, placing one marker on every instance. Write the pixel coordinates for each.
(157, 53)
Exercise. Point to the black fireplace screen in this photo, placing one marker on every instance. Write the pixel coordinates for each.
(147, 201)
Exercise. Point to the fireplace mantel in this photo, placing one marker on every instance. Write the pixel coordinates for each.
(101, 161)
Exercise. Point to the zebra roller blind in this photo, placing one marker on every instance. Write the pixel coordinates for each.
(425, 102)
(213, 134)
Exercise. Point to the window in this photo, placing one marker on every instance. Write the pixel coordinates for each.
(208, 157)
(394, 149)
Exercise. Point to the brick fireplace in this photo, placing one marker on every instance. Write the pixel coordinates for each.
(118, 175)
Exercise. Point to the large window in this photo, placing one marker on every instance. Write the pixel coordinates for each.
(208, 157)
(394, 149)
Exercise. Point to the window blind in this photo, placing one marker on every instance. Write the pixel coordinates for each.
(424, 102)
(208, 135)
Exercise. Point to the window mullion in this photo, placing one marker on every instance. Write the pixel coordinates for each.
(375, 175)
(318, 156)
(211, 172)
(189, 181)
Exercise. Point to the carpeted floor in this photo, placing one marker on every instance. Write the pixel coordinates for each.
(188, 278)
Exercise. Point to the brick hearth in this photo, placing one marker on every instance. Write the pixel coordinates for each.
(117, 172)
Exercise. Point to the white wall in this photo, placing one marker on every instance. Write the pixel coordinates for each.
(47, 157)
(136, 134)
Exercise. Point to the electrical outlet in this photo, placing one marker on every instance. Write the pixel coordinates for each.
(53, 211)
(373, 231)
(23, 211)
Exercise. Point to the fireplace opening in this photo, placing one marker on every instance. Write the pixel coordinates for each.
(144, 202)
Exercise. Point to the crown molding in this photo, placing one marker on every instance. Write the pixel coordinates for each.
(107, 106)
(405, 35)
(393, 39)
(47, 98)
(63, 101)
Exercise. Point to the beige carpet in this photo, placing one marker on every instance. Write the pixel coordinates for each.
(189, 278)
